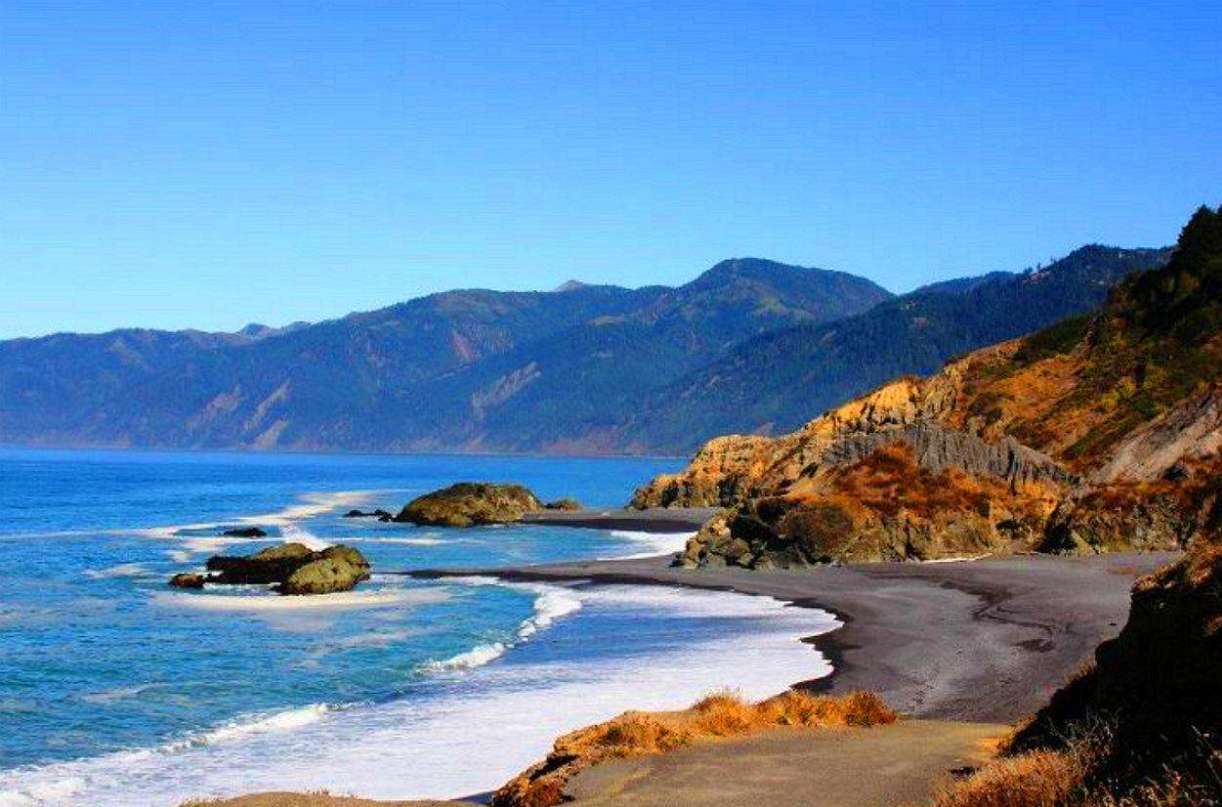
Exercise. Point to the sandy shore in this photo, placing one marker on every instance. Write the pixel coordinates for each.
(679, 519)
(978, 641)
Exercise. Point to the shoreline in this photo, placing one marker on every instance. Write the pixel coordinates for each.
(961, 649)
(657, 521)
(983, 641)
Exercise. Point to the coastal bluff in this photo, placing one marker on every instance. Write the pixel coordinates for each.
(1100, 433)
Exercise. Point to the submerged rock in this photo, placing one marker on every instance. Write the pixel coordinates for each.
(188, 580)
(294, 567)
(379, 514)
(471, 503)
(245, 532)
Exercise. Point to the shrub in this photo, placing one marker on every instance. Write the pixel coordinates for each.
(718, 715)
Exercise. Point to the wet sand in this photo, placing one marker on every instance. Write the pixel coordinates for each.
(678, 519)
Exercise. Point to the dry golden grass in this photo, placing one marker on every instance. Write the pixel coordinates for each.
(1076, 776)
(718, 715)
(1037, 779)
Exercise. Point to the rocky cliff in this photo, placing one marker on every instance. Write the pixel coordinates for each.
(1094, 434)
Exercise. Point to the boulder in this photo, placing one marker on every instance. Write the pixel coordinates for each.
(245, 532)
(379, 514)
(188, 580)
(471, 503)
(337, 568)
(293, 567)
(566, 504)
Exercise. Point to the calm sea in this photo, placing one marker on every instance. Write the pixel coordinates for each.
(116, 690)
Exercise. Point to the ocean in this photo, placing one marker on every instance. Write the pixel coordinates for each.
(117, 690)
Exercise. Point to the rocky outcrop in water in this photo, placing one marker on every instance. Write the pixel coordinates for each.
(468, 504)
(379, 514)
(294, 569)
(188, 580)
(245, 532)
(336, 568)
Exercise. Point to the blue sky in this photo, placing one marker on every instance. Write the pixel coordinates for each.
(212, 164)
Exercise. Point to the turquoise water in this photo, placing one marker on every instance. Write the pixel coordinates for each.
(128, 692)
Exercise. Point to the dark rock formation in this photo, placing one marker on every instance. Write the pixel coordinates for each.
(471, 503)
(188, 580)
(566, 504)
(379, 514)
(294, 567)
(245, 532)
(271, 565)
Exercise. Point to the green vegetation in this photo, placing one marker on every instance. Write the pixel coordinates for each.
(1160, 338)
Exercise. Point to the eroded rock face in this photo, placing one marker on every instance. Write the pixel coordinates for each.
(295, 568)
(468, 504)
(880, 485)
(921, 469)
(1191, 431)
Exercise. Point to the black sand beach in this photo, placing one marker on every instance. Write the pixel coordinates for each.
(984, 641)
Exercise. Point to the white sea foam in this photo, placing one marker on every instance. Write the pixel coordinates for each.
(264, 601)
(551, 603)
(658, 543)
(294, 533)
(122, 570)
(251, 725)
(477, 656)
(504, 715)
(309, 506)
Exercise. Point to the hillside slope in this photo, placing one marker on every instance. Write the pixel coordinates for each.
(772, 383)
(1096, 433)
(421, 374)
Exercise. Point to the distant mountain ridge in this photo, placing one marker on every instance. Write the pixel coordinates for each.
(424, 374)
(749, 345)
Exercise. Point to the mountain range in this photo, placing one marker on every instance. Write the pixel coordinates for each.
(750, 345)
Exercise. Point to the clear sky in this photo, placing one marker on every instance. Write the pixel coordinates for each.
(209, 164)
